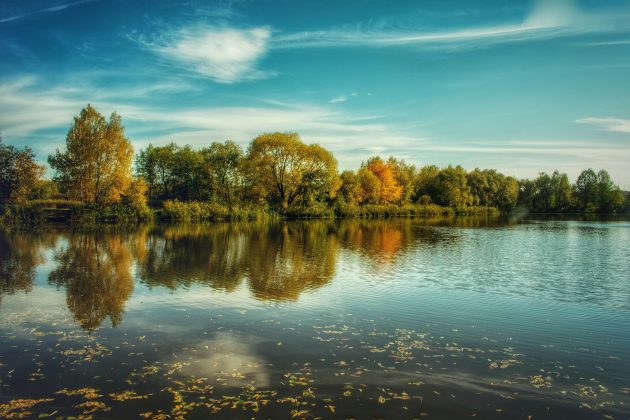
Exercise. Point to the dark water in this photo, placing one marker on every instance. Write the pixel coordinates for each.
(397, 319)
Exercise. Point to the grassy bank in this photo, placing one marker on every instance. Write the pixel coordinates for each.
(74, 212)
(409, 210)
(71, 212)
(200, 211)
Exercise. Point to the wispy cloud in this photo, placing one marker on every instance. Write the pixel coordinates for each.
(607, 43)
(46, 10)
(38, 116)
(618, 125)
(338, 99)
(223, 54)
(548, 18)
(344, 98)
(30, 114)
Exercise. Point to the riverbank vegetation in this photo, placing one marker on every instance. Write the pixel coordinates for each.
(97, 180)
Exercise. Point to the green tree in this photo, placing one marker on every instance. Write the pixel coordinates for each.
(506, 196)
(45, 189)
(19, 173)
(289, 171)
(563, 193)
(611, 198)
(544, 197)
(174, 172)
(453, 189)
(190, 175)
(404, 174)
(147, 168)
(370, 186)
(96, 165)
(586, 190)
(350, 191)
(526, 191)
(223, 164)
(425, 184)
(551, 193)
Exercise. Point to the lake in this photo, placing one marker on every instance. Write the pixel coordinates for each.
(445, 318)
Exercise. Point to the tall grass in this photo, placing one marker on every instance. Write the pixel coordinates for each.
(198, 211)
(75, 212)
(71, 212)
(375, 211)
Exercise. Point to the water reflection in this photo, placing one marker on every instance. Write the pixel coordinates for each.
(368, 319)
(228, 355)
(377, 239)
(20, 255)
(275, 262)
(278, 261)
(94, 269)
(281, 261)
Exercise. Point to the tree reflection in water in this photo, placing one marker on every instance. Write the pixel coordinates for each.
(278, 261)
(275, 261)
(20, 255)
(94, 268)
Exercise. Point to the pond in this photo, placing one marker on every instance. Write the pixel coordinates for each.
(445, 318)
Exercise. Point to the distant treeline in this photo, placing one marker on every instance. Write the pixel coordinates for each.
(277, 174)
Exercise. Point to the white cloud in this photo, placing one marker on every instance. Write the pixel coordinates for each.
(554, 13)
(344, 98)
(226, 55)
(618, 125)
(607, 43)
(39, 117)
(338, 99)
(548, 18)
(24, 113)
(31, 115)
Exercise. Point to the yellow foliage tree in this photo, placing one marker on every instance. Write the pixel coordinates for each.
(96, 165)
(282, 166)
(390, 189)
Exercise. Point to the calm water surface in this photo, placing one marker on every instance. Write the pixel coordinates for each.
(397, 319)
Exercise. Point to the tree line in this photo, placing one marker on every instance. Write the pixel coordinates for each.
(277, 171)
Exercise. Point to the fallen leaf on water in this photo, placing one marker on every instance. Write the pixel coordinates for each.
(18, 408)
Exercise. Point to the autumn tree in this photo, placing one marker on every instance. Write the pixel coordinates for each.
(390, 189)
(404, 174)
(96, 165)
(289, 171)
(19, 173)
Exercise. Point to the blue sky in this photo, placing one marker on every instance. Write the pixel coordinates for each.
(518, 86)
